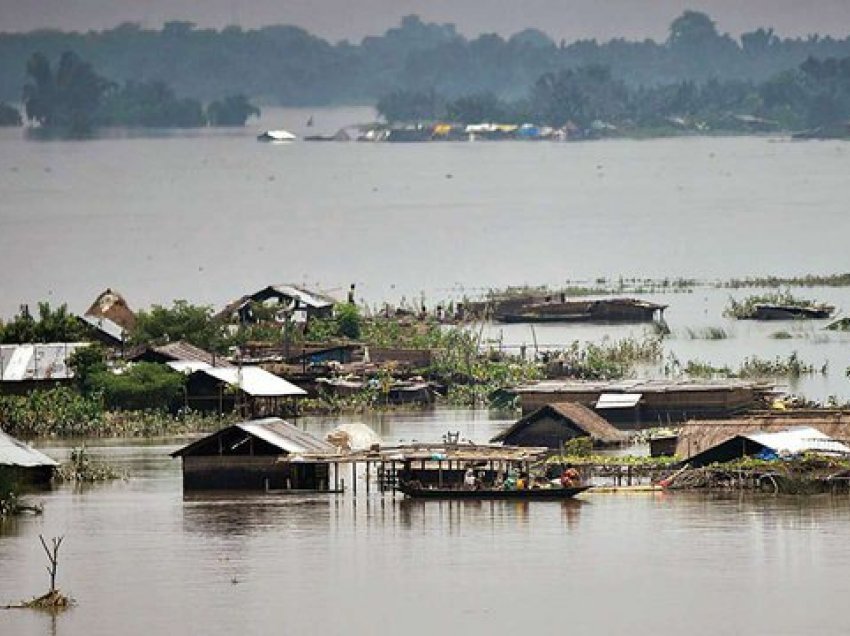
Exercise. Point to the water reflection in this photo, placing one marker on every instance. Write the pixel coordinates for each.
(142, 558)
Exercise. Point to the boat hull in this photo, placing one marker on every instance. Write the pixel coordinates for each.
(534, 494)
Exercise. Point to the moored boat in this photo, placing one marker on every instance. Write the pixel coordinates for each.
(528, 494)
(276, 136)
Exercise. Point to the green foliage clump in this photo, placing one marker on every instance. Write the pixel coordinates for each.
(345, 323)
(81, 468)
(348, 320)
(59, 412)
(608, 360)
(140, 386)
(182, 321)
(51, 325)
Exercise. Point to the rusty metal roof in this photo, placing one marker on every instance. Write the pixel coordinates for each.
(287, 437)
(22, 362)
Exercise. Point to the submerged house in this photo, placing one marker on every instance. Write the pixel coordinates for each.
(770, 445)
(23, 464)
(265, 454)
(299, 304)
(554, 424)
(698, 437)
(647, 403)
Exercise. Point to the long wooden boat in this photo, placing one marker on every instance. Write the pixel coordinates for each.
(530, 494)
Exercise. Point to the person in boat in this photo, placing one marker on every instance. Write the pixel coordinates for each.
(522, 482)
(469, 479)
(570, 478)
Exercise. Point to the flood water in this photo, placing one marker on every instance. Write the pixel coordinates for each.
(140, 558)
(210, 215)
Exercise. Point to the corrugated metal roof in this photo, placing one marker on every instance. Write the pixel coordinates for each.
(309, 298)
(799, 440)
(14, 452)
(254, 381)
(107, 326)
(279, 433)
(618, 400)
(634, 386)
(286, 436)
(187, 366)
(186, 352)
(37, 361)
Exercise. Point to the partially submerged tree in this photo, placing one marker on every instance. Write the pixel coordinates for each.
(182, 321)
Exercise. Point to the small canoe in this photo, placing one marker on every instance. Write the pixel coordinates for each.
(531, 494)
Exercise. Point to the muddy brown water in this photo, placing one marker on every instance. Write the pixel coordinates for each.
(211, 215)
(141, 558)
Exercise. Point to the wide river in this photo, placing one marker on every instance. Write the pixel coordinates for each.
(208, 216)
(141, 558)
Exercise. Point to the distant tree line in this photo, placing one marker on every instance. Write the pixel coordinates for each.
(73, 97)
(288, 65)
(815, 95)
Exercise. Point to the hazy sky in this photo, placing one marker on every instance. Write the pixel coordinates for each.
(337, 19)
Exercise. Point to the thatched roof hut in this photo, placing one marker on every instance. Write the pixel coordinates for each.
(554, 424)
(112, 306)
(697, 435)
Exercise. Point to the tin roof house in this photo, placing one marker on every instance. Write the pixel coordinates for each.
(23, 464)
(268, 454)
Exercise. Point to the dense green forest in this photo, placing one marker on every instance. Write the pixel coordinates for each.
(287, 65)
(71, 96)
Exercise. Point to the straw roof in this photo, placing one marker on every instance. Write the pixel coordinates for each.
(697, 435)
(576, 415)
(112, 306)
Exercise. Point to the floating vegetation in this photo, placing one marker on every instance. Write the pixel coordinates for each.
(809, 280)
(842, 324)
(753, 367)
(706, 333)
(792, 367)
(748, 308)
(608, 360)
(781, 335)
(80, 468)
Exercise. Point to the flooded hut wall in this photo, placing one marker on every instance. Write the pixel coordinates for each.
(241, 472)
(27, 475)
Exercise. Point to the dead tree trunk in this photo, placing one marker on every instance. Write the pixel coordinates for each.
(52, 553)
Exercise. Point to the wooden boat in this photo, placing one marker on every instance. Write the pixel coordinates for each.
(530, 494)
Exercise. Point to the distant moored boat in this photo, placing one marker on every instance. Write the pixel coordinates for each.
(276, 136)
